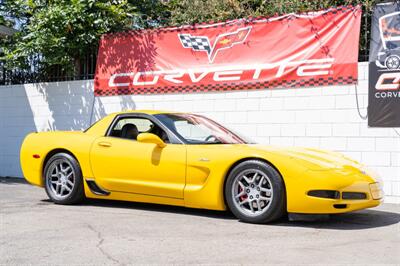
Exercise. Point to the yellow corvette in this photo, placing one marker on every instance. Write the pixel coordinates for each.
(189, 160)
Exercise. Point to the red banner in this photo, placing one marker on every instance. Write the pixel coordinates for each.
(295, 50)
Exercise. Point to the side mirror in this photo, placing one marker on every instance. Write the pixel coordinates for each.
(151, 138)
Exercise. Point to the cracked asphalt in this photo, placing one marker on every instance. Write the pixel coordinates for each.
(37, 232)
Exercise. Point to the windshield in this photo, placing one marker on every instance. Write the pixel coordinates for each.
(196, 129)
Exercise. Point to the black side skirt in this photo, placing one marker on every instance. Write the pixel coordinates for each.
(96, 189)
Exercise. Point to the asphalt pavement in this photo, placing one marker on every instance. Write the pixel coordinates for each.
(35, 231)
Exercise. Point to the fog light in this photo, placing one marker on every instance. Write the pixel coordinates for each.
(376, 191)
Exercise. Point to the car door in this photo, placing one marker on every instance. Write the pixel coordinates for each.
(126, 165)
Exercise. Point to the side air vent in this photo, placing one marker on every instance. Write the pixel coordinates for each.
(354, 195)
(327, 194)
(96, 189)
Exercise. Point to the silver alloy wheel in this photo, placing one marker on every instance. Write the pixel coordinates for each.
(252, 192)
(393, 62)
(60, 178)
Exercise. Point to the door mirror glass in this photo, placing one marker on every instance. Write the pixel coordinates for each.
(151, 138)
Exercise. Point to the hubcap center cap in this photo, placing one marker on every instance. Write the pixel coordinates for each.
(253, 192)
(63, 178)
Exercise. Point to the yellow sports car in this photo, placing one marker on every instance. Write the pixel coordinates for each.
(189, 160)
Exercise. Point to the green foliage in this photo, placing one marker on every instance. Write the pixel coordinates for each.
(59, 31)
(151, 13)
(194, 11)
(6, 22)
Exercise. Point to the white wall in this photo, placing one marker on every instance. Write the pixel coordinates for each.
(324, 117)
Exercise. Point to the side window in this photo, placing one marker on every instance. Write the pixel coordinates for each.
(142, 124)
(131, 127)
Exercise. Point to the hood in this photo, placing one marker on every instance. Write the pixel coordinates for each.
(313, 159)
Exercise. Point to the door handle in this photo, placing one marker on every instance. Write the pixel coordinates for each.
(104, 144)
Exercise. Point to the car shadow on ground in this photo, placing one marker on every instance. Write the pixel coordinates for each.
(364, 219)
(357, 220)
(12, 180)
(159, 208)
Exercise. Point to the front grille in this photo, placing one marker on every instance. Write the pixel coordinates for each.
(354, 195)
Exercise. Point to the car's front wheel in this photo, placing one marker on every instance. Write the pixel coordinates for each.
(63, 179)
(255, 192)
(393, 62)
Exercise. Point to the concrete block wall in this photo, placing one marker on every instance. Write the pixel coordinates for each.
(39, 107)
(322, 117)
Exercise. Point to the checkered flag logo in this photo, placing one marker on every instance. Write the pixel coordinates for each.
(197, 43)
(222, 41)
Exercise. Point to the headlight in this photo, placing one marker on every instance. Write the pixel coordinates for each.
(376, 191)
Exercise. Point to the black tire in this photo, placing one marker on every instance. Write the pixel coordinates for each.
(76, 193)
(276, 207)
(392, 62)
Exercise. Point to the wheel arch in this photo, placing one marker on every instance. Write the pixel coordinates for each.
(53, 152)
(252, 159)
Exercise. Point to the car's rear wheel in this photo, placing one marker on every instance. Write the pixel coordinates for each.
(63, 179)
(255, 192)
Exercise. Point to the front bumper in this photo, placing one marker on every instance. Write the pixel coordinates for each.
(338, 200)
